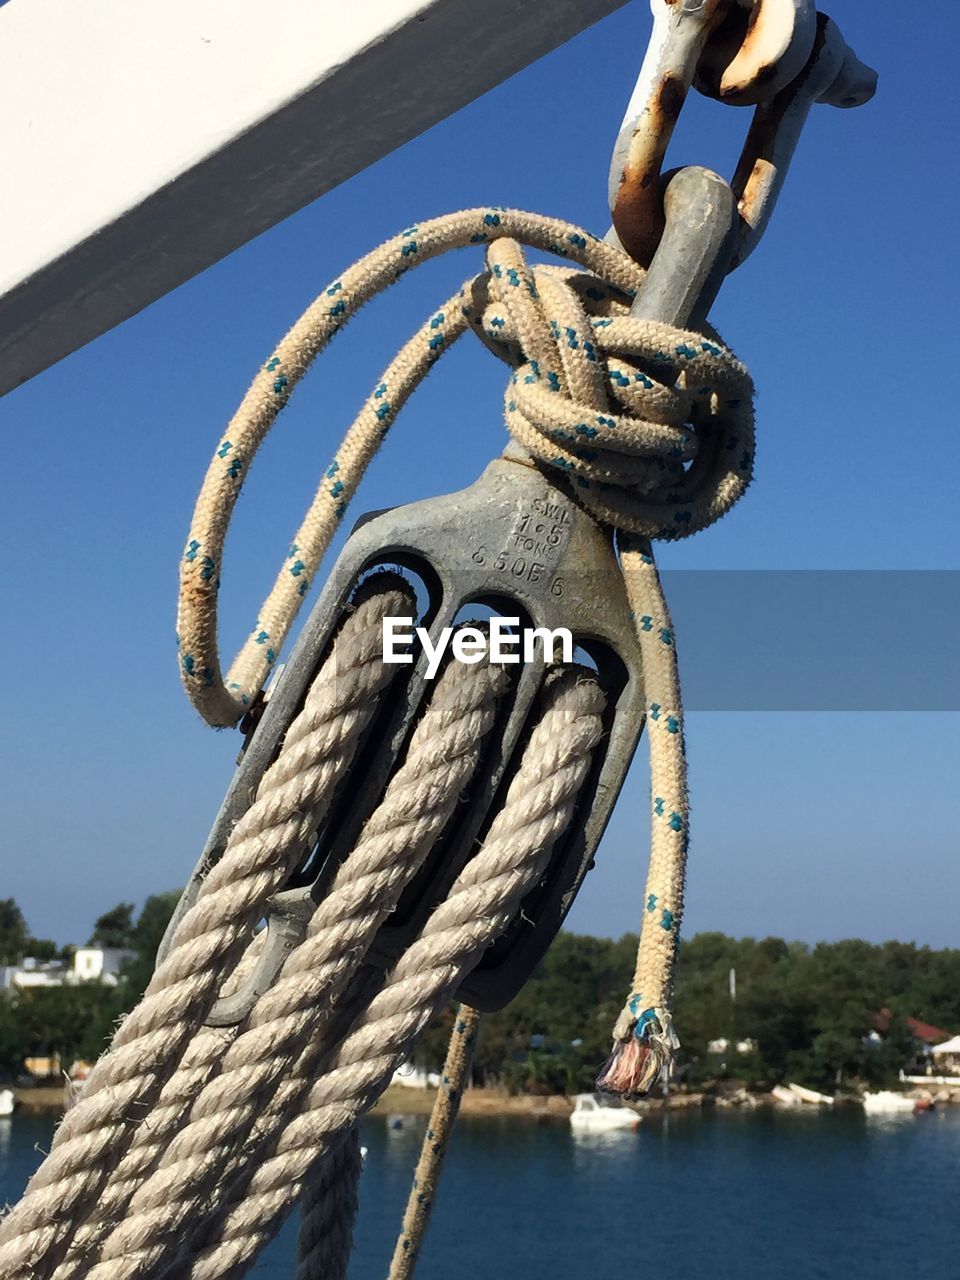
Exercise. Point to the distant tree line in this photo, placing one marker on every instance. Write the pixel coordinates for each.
(809, 1010)
(806, 1011)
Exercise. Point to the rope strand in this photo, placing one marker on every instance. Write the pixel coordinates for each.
(227, 1117)
(446, 1107)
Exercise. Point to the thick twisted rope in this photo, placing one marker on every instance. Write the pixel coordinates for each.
(539, 805)
(263, 847)
(483, 901)
(416, 807)
(151, 1138)
(328, 1208)
(439, 746)
(201, 1059)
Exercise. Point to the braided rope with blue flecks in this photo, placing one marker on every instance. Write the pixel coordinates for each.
(426, 1177)
(653, 426)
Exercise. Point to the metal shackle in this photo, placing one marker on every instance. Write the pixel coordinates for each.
(781, 58)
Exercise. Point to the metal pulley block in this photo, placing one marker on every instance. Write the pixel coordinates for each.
(516, 542)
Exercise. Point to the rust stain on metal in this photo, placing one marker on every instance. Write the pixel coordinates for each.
(754, 190)
(671, 96)
(755, 46)
(637, 211)
(751, 80)
(756, 173)
(731, 44)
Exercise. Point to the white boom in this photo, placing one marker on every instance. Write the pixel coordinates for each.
(142, 142)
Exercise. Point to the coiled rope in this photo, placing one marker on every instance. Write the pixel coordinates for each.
(654, 428)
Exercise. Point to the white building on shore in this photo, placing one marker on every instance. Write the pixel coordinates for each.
(89, 964)
(409, 1076)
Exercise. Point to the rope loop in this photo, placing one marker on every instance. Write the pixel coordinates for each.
(653, 424)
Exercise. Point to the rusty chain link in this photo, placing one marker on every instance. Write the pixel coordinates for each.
(779, 56)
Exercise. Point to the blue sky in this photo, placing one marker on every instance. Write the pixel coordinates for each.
(814, 824)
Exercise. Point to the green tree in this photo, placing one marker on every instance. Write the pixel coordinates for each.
(13, 932)
(69, 1021)
(42, 949)
(810, 1010)
(883, 1061)
(11, 1050)
(114, 928)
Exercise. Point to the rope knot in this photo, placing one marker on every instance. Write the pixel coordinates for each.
(653, 424)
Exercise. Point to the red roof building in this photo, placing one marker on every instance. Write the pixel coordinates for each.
(922, 1031)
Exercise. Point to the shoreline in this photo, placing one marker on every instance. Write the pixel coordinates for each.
(404, 1100)
(408, 1101)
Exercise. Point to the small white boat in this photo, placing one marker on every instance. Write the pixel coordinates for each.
(810, 1096)
(886, 1103)
(7, 1102)
(798, 1095)
(590, 1115)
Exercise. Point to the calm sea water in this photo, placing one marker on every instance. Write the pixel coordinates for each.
(717, 1195)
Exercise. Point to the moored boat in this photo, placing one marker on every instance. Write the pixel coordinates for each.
(885, 1102)
(797, 1095)
(590, 1115)
(810, 1096)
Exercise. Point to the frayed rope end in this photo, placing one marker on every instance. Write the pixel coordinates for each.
(640, 1055)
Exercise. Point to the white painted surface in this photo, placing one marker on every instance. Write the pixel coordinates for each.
(142, 142)
(47, 975)
(127, 94)
(103, 963)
